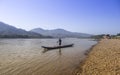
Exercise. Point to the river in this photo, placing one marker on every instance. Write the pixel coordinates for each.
(26, 57)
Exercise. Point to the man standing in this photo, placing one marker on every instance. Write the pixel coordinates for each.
(60, 41)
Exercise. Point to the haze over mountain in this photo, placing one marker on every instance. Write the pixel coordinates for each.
(60, 33)
(11, 31)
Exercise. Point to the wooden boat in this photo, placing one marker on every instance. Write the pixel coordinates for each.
(57, 47)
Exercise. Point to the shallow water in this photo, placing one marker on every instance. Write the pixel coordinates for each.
(26, 57)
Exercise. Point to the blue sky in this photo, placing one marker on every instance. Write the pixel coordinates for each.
(87, 16)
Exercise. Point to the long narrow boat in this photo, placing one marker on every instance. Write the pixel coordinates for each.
(57, 47)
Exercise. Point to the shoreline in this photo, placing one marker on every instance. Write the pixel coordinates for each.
(78, 69)
(101, 59)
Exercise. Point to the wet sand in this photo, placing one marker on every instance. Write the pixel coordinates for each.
(103, 59)
(26, 57)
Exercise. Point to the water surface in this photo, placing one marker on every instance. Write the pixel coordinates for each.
(26, 57)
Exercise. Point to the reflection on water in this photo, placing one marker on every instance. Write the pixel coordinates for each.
(45, 50)
(60, 53)
(26, 57)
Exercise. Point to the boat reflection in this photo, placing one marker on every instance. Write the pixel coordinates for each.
(46, 50)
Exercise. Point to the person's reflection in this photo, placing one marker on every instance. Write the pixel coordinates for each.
(60, 53)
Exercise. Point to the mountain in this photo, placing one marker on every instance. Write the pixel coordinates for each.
(60, 33)
(8, 31)
(13, 32)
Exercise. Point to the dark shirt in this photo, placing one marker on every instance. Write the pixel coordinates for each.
(60, 41)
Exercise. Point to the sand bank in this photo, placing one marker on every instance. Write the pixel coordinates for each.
(103, 59)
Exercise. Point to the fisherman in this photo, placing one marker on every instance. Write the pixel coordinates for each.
(60, 41)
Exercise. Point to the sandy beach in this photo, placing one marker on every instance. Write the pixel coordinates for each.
(103, 59)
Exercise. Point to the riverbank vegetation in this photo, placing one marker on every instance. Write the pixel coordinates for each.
(108, 36)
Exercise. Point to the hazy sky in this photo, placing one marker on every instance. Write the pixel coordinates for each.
(87, 16)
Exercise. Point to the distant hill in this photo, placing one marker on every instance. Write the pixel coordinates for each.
(60, 33)
(7, 31)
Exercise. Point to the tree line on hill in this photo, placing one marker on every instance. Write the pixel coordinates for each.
(107, 35)
(23, 36)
